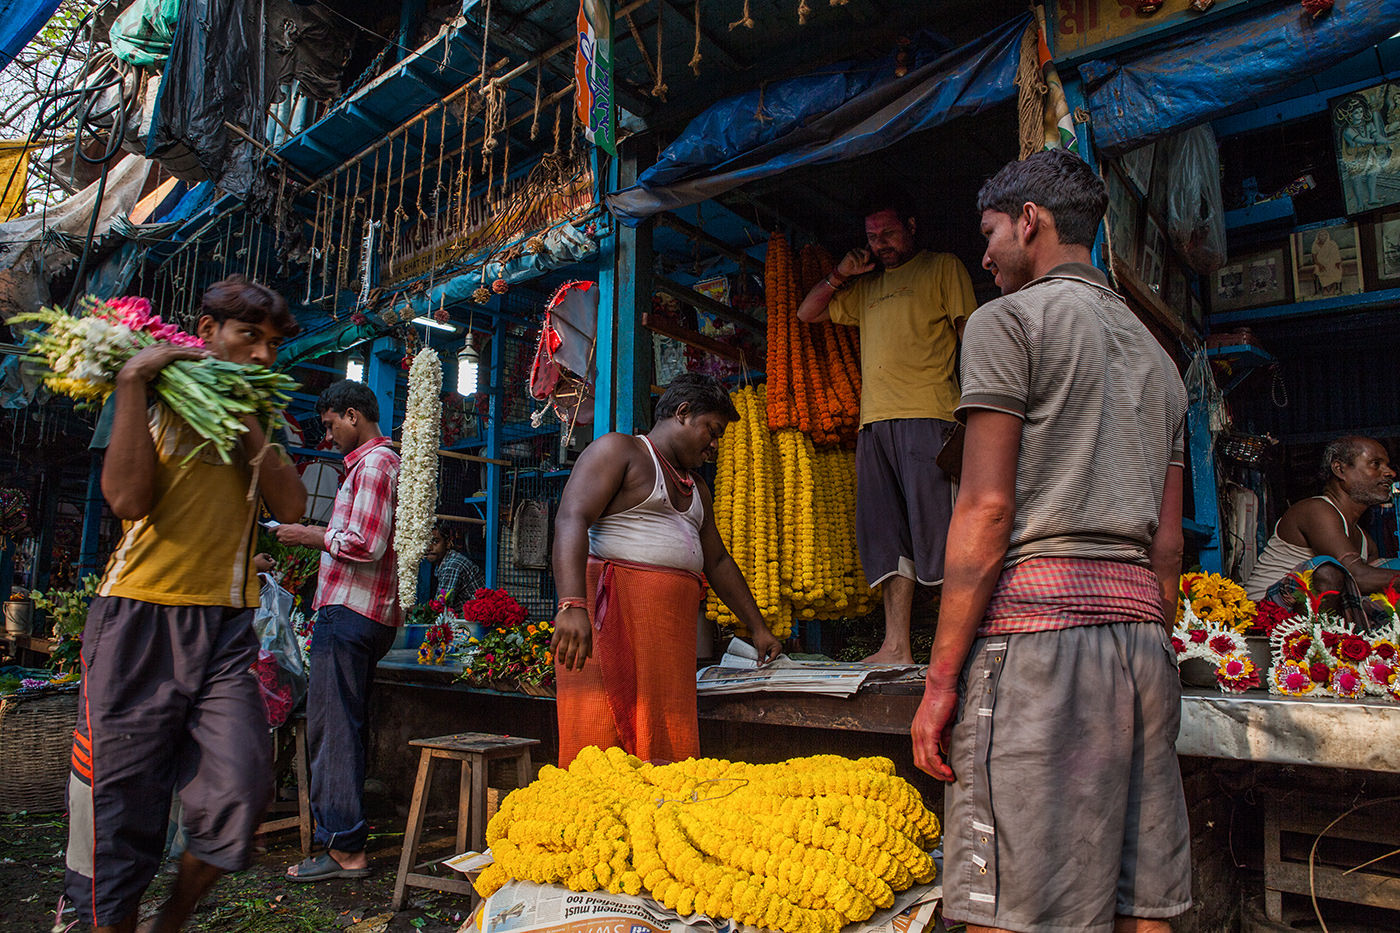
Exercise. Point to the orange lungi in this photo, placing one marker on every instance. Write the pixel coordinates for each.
(637, 691)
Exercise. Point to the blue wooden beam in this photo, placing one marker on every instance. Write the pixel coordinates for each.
(92, 518)
(1204, 495)
(605, 355)
(382, 375)
(494, 476)
(632, 287)
(1366, 301)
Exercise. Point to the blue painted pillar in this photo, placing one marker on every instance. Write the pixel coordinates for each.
(1074, 97)
(494, 476)
(605, 355)
(409, 15)
(1203, 490)
(631, 287)
(381, 375)
(92, 518)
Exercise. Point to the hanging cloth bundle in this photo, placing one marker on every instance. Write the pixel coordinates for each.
(563, 371)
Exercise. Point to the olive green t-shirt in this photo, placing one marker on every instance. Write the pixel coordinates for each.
(908, 319)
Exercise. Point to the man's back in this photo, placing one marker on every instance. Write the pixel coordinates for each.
(1103, 408)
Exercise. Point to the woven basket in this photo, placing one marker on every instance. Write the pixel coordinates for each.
(36, 739)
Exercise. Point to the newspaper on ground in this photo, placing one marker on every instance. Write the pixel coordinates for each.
(739, 672)
(524, 907)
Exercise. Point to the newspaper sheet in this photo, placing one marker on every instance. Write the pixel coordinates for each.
(739, 672)
(523, 907)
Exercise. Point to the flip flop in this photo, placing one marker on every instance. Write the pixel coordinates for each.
(322, 867)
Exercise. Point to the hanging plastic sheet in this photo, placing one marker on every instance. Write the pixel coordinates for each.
(217, 73)
(1207, 71)
(142, 34)
(20, 21)
(845, 112)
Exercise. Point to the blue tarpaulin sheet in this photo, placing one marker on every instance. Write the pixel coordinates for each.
(839, 114)
(20, 21)
(1206, 72)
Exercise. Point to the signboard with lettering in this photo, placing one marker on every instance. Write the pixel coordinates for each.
(593, 74)
(1082, 24)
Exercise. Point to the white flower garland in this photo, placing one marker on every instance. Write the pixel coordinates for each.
(418, 476)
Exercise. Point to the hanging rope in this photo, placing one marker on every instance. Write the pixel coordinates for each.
(804, 13)
(485, 34)
(659, 89)
(535, 123)
(747, 19)
(695, 57)
(641, 46)
(557, 118)
(495, 116)
(1030, 98)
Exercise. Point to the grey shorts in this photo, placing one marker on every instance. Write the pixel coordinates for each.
(903, 500)
(167, 703)
(1067, 807)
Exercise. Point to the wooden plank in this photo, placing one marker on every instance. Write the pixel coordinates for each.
(468, 519)
(1358, 887)
(704, 303)
(417, 808)
(659, 325)
(1142, 298)
(715, 243)
(867, 712)
(458, 455)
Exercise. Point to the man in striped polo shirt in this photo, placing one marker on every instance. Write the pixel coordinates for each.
(1052, 701)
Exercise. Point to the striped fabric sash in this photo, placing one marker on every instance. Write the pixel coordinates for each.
(1048, 593)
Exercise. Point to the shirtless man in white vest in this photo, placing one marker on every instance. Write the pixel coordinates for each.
(1323, 533)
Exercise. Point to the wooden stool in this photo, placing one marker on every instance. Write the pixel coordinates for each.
(475, 750)
(291, 751)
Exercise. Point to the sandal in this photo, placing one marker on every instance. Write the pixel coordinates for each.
(322, 867)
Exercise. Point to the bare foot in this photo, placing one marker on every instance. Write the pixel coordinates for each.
(890, 655)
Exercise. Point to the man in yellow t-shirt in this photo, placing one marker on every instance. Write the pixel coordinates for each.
(911, 314)
(167, 701)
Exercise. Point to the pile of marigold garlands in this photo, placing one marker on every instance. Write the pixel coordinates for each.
(803, 846)
(786, 512)
(813, 369)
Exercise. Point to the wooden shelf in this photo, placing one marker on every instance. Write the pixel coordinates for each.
(685, 335)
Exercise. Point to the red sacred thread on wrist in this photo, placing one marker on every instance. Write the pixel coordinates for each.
(572, 602)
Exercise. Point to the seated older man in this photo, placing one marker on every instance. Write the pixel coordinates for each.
(1323, 534)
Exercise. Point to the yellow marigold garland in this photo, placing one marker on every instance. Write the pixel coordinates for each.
(786, 511)
(803, 846)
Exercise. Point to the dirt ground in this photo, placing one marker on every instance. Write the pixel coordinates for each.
(258, 900)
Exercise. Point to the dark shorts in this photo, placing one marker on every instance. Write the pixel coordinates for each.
(1067, 807)
(903, 500)
(168, 702)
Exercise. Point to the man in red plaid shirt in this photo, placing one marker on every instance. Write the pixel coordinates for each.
(356, 596)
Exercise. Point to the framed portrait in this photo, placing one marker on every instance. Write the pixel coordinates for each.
(1327, 262)
(1252, 280)
(1366, 135)
(1386, 237)
(1122, 219)
(1137, 166)
(1153, 259)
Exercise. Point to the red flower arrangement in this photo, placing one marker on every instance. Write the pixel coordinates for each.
(494, 608)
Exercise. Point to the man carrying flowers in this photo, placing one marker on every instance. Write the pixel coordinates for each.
(1052, 702)
(357, 615)
(167, 701)
(636, 530)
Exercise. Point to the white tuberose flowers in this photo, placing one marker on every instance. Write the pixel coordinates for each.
(418, 474)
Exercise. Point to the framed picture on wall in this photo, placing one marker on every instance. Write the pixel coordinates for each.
(1252, 280)
(1367, 139)
(1386, 236)
(1327, 262)
(1137, 166)
(1122, 219)
(1152, 262)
